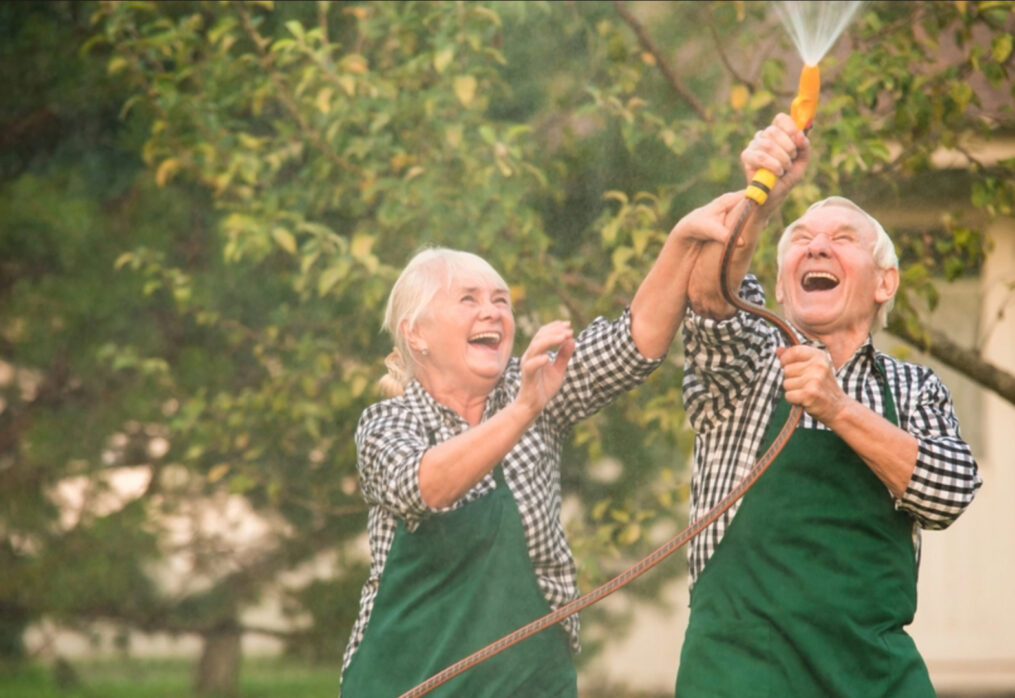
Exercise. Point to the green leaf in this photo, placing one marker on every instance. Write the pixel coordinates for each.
(117, 64)
(331, 276)
(465, 89)
(295, 28)
(284, 239)
(442, 59)
(1001, 47)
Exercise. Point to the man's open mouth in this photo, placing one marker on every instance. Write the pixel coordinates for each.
(819, 281)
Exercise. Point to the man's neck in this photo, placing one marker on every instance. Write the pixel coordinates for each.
(841, 345)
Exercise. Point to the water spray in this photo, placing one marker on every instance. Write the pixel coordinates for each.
(813, 27)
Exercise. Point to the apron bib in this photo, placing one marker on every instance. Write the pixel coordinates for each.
(809, 590)
(460, 581)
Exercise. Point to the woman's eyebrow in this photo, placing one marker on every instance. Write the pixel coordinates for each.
(479, 289)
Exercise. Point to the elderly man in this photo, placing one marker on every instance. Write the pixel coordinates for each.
(804, 588)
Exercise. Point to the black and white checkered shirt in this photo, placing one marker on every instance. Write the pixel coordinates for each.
(393, 435)
(732, 381)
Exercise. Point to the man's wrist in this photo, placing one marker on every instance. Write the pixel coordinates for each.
(713, 308)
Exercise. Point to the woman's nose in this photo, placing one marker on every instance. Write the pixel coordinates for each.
(488, 308)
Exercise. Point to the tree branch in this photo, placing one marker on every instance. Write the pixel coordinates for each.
(967, 361)
(671, 77)
(720, 50)
(283, 94)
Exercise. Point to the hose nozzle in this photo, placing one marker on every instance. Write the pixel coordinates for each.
(802, 110)
(805, 104)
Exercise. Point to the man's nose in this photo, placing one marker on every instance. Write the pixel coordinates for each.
(818, 246)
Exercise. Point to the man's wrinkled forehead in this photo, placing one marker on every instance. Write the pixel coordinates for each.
(834, 217)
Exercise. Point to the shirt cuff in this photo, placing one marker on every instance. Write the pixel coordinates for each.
(711, 332)
(637, 364)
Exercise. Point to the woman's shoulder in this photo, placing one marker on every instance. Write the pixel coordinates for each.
(406, 409)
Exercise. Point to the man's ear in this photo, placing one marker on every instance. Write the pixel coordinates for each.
(888, 284)
(778, 288)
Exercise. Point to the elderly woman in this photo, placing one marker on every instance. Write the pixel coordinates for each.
(461, 466)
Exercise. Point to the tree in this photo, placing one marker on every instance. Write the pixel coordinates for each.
(63, 156)
(194, 280)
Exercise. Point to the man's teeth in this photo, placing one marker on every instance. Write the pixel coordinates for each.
(819, 281)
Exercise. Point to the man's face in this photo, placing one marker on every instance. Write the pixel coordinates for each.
(828, 282)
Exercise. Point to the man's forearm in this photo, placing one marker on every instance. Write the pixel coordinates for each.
(887, 450)
(704, 293)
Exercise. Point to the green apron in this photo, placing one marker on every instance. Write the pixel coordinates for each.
(460, 581)
(809, 589)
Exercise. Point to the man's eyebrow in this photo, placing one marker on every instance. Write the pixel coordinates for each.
(838, 229)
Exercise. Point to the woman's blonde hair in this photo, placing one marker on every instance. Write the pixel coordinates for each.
(883, 251)
(427, 272)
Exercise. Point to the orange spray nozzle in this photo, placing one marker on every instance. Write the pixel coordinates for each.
(805, 104)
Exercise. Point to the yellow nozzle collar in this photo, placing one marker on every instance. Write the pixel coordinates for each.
(761, 186)
(806, 102)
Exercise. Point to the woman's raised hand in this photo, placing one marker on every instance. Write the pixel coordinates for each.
(542, 375)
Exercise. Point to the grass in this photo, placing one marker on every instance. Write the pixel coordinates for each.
(169, 678)
(172, 678)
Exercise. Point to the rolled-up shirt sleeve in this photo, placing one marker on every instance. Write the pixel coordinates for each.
(606, 363)
(390, 444)
(723, 359)
(946, 477)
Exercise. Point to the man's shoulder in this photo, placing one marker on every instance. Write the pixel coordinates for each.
(909, 373)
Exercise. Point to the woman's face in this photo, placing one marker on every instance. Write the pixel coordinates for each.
(468, 332)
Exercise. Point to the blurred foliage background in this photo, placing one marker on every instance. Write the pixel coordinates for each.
(204, 204)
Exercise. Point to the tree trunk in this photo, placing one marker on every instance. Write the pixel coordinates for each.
(218, 670)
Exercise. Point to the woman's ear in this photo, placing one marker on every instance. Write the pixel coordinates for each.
(413, 338)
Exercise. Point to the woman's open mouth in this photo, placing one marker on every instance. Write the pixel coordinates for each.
(486, 339)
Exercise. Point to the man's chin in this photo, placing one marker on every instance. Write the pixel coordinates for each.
(818, 321)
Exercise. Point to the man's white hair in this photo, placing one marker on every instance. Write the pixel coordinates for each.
(883, 252)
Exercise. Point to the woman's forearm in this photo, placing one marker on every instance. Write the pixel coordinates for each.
(451, 468)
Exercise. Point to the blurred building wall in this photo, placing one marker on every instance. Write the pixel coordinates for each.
(965, 624)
